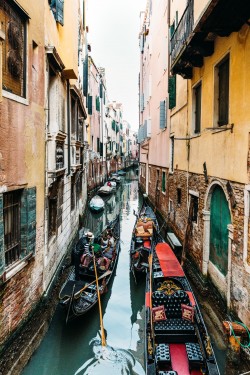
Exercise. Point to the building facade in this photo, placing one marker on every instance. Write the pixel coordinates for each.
(206, 180)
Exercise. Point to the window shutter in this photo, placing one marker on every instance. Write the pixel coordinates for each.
(172, 91)
(113, 124)
(90, 105)
(85, 76)
(28, 222)
(101, 149)
(101, 90)
(162, 115)
(97, 103)
(59, 11)
(2, 256)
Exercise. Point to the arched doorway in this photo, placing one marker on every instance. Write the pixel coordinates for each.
(219, 220)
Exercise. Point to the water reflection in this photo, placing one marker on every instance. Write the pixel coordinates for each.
(109, 360)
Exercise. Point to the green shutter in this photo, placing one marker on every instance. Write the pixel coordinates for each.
(113, 124)
(90, 111)
(57, 8)
(162, 115)
(28, 222)
(172, 91)
(97, 103)
(85, 76)
(101, 90)
(2, 256)
(117, 128)
(121, 126)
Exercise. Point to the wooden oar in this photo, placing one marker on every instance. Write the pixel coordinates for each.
(150, 263)
(99, 303)
(77, 294)
(70, 302)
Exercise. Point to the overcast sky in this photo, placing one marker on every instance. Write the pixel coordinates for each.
(114, 27)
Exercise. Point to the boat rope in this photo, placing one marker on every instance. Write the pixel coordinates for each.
(238, 341)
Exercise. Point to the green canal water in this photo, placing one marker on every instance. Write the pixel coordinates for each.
(74, 348)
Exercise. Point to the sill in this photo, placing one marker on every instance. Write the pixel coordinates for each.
(195, 135)
(163, 192)
(14, 97)
(15, 268)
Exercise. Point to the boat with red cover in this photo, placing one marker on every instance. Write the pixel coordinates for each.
(143, 241)
(177, 341)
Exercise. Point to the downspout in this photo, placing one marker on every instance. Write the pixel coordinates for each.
(68, 126)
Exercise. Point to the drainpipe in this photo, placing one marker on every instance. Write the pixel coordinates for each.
(68, 125)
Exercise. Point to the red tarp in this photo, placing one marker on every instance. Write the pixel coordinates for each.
(168, 261)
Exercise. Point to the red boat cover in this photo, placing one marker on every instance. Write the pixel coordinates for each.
(147, 299)
(168, 261)
(179, 360)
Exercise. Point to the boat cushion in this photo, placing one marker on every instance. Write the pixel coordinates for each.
(194, 353)
(162, 354)
(171, 302)
(174, 326)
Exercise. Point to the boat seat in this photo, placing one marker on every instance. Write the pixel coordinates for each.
(194, 354)
(172, 303)
(174, 331)
(144, 229)
(171, 372)
(162, 354)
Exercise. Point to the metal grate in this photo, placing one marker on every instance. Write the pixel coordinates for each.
(11, 217)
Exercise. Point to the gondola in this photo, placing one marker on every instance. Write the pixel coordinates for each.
(142, 241)
(79, 294)
(177, 341)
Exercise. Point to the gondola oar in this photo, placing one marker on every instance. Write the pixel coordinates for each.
(99, 302)
(77, 294)
(70, 302)
(150, 263)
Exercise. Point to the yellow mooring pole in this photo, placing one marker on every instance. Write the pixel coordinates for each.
(99, 302)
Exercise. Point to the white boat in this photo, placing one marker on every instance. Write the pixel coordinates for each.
(112, 184)
(105, 190)
(96, 204)
(115, 178)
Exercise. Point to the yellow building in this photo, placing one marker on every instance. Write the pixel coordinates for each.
(208, 184)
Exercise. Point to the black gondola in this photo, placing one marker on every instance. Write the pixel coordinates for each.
(79, 293)
(143, 240)
(177, 341)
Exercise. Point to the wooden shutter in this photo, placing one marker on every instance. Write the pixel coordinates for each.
(162, 114)
(2, 257)
(101, 90)
(59, 15)
(97, 103)
(90, 110)
(28, 222)
(223, 92)
(172, 91)
(85, 76)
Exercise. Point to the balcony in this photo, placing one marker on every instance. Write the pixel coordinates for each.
(191, 43)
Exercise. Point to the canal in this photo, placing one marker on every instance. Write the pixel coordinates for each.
(73, 348)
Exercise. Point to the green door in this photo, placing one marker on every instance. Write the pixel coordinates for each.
(220, 218)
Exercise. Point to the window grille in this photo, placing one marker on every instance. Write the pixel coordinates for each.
(12, 219)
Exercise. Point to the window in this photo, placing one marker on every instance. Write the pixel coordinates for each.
(194, 206)
(18, 227)
(73, 117)
(73, 193)
(13, 23)
(222, 92)
(97, 103)
(178, 196)
(163, 182)
(90, 109)
(98, 144)
(197, 108)
(163, 115)
(157, 179)
(171, 154)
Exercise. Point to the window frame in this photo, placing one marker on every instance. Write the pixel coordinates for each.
(163, 182)
(197, 102)
(221, 92)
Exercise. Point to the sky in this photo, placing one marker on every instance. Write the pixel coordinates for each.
(114, 27)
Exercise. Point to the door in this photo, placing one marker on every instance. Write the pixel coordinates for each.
(219, 220)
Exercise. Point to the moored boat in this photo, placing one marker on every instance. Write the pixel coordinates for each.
(143, 240)
(114, 177)
(79, 292)
(177, 341)
(111, 184)
(105, 190)
(121, 173)
(96, 204)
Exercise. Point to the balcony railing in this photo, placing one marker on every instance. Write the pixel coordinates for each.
(182, 32)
